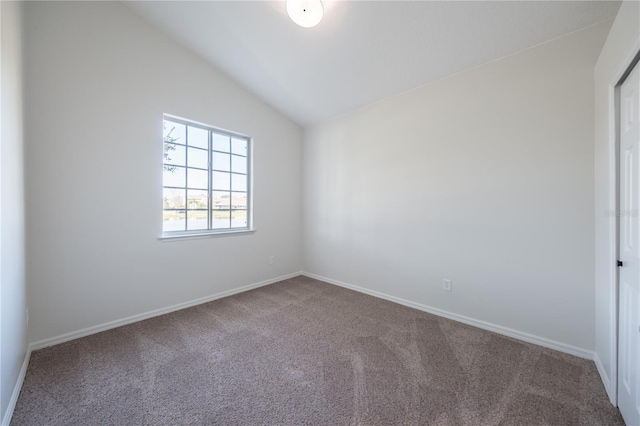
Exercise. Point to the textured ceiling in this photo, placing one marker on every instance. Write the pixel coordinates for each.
(362, 51)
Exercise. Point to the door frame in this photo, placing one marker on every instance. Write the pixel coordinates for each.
(613, 97)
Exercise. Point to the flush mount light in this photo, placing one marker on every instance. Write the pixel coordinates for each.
(306, 13)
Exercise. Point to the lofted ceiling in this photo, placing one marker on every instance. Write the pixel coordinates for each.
(362, 51)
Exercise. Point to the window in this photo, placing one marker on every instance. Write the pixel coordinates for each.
(206, 179)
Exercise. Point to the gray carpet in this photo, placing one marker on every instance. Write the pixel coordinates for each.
(303, 352)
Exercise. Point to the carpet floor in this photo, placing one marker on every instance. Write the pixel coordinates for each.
(303, 352)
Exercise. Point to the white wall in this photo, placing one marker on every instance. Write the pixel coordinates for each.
(485, 178)
(98, 79)
(13, 344)
(624, 33)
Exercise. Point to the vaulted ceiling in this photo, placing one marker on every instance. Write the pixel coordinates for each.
(362, 51)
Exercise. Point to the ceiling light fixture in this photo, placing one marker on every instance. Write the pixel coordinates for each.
(306, 13)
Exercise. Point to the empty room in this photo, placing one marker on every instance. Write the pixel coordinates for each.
(317, 212)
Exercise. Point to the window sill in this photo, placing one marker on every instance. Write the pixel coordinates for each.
(208, 234)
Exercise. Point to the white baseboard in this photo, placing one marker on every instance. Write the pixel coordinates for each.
(16, 390)
(139, 317)
(604, 376)
(505, 331)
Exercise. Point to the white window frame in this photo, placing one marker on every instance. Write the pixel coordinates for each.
(210, 231)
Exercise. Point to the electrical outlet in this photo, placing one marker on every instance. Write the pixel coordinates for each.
(272, 260)
(446, 285)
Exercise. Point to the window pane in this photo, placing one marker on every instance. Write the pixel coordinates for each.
(197, 219)
(197, 199)
(205, 178)
(220, 143)
(174, 132)
(174, 176)
(239, 182)
(239, 146)
(221, 219)
(198, 137)
(239, 219)
(173, 198)
(221, 181)
(197, 178)
(221, 200)
(174, 154)
(173, 220)
(198, 158)
(238, 200)
(238, 164)
(221, 161)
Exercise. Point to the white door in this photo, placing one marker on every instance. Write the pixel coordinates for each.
(629, 321)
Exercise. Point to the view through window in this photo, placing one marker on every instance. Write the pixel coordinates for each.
(205, 179)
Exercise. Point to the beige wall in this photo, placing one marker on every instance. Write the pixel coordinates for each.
(484, 178)
(98, 80)
(13, 293)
